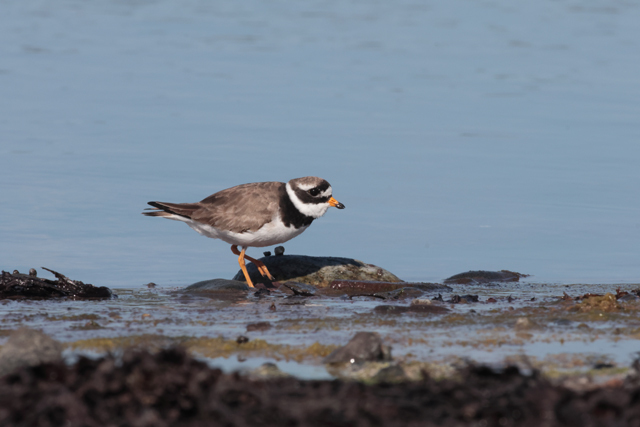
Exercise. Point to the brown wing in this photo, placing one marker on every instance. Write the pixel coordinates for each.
(242, 208)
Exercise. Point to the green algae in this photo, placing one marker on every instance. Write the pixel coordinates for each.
(207, 347)
(220, 347)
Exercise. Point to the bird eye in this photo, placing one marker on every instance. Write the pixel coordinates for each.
(314, 192)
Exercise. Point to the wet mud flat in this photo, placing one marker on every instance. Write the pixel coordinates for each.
(171, 388)
(589, 332)
(567, 340)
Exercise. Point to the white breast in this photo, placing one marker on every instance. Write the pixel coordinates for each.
(272, 233)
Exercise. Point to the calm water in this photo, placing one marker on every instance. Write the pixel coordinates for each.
(459, 134)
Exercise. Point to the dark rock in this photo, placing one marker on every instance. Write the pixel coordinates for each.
(463, 299)
(363, 347)
(391, 374)
(27, 347)
(300, 289)
(150, 285)
(218, 285)
(19, 286)
(242, 339)
(266, 253)
(603, 365)
(279, 250)
(481, 276)
(262, 292)
(316, 271)
(628, 298)
(259, 326)
(423, 309)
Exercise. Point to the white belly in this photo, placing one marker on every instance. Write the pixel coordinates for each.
(269, 234)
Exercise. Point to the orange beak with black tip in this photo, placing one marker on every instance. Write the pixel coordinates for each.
(336, 204)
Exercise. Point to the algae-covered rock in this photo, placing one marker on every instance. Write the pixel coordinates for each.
(23, 286)
(300, 289)
(317, 271)
(27, 347)
(606, 302)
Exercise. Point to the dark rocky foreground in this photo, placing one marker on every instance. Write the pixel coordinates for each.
(172, 389)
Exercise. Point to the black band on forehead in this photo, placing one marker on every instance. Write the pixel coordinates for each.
(323, 186)
(310, 181)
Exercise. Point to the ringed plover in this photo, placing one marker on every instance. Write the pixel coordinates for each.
(257, 214)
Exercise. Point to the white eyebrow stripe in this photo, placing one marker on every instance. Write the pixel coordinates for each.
(326, 193)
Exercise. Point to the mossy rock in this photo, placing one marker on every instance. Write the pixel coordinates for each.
(317, 271)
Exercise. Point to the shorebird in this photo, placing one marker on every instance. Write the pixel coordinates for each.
(254, 215)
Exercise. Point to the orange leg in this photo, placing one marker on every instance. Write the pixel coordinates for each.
(259, 264)
(261, 267)
(234, 249)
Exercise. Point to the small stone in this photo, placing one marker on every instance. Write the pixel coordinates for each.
(272, 307)
(266, 253)
(363, 347)
(33, 272)
(150, 285)
(279, 250)
(242, 339)
(523, 323)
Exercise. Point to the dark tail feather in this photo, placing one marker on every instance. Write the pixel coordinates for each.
(167, 209)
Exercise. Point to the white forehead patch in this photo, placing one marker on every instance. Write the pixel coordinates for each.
(326, 193)
(305, 187)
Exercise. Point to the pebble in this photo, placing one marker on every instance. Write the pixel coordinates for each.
(363, 347)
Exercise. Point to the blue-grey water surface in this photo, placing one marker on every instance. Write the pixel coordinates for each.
(460, 134)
